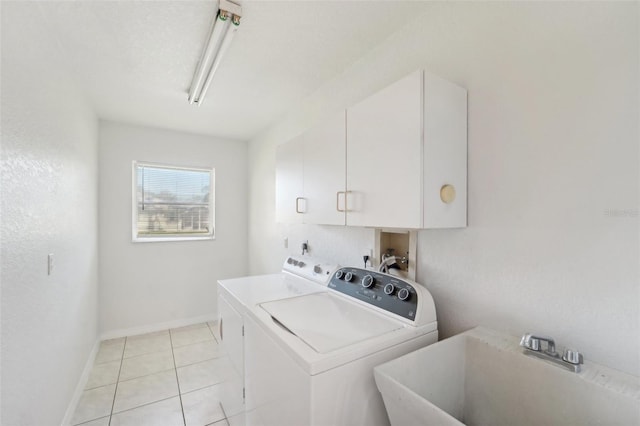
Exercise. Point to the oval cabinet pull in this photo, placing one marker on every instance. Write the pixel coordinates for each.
(447, 193)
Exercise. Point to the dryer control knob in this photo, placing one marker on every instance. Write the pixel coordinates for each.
(339, 275)
(367, 281)
(389, 289)
(348, 276)
(403, 294)
(301, 264)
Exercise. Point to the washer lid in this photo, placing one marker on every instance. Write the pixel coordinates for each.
(327, 322)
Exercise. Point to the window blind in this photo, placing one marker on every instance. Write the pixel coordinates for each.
(173, 201)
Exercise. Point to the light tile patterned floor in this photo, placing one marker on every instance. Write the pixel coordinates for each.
(169, 377)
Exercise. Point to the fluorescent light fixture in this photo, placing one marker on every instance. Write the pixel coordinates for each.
(224, 28)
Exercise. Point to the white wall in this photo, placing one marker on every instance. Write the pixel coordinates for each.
(553, 167)
(146, 284)
(49, 205)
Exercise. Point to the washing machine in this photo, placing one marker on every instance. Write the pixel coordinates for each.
(309, 358)
(300, 275)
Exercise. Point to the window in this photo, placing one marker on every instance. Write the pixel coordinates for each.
(172, 203)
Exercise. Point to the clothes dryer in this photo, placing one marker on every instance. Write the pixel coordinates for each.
(300, 275)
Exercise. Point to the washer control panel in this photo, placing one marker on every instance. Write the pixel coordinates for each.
(385, 291)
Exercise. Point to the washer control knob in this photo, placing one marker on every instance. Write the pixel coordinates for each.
(403, 294)
(389, 289)
(339, 275)
(367, 281)
(301, 264)
(289, 261)
(317, 269)
(348, 276)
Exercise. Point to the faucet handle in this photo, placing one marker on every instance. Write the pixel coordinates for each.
(572, 357)
(529, 341)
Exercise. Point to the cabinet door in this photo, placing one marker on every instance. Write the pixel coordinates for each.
(324, 172)
(445, 152)
(384, 157)
(289, 189)
(231, 330)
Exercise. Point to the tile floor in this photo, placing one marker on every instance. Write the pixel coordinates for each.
(170, 377)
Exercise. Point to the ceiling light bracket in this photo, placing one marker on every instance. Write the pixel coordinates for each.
(231, 7)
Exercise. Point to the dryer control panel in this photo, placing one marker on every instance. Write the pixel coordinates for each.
(388, 292)
(311, 268)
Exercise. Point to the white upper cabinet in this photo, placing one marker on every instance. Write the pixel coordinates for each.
(310, 175)
(384, 152)
(398, 160)
(444, 154)
(407, 155)
(289, 181)
(324, 172)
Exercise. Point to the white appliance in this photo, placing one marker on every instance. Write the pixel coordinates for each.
(300, 275)
(309, 358)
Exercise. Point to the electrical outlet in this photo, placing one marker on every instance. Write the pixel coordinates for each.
(50, 264)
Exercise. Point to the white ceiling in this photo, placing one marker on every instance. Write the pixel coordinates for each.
(135, 60)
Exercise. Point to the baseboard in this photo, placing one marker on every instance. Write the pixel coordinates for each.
(132, 331)
(82, 382)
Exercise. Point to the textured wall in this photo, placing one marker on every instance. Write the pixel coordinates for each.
(552, 243)
(142, 284)
(49, 205)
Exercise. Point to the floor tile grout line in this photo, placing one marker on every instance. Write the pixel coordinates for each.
(224, 413)
(146, 353)
(213, 332)
(184, 418)
(202, 388)
(98, 387)
(213, 339)
(144, 405)
(113, 403)
(198, 362)
(146, 375)
(89, 421)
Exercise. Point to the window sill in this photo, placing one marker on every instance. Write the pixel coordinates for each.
(168, 239)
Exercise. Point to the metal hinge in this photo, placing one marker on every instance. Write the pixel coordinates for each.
(243, 331)
(243, 394)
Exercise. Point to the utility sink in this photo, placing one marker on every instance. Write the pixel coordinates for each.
(482, 377)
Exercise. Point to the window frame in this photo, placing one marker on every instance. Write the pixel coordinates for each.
(171, 237)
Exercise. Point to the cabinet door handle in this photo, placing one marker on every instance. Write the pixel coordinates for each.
(298, 203)
(338, 201)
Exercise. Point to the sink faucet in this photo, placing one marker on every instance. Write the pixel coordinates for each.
(532, 342)
(570, 359)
